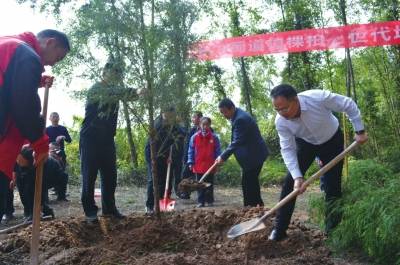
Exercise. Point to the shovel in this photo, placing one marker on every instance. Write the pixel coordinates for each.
(258, 223)
(166, 203)
(189, 185)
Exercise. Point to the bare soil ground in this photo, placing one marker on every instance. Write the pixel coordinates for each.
(185, 236)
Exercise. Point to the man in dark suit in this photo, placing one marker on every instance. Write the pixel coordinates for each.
(249, 148)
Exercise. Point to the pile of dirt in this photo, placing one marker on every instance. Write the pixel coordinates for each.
(181, 238)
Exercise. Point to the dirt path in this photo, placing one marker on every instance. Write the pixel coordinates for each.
(187, 236)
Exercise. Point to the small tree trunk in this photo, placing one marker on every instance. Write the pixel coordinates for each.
(131, 143)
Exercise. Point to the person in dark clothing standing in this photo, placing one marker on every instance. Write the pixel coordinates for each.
(58, 134)
(168, 135)
(186, 172)
(307, 128)
(22, 61)
(97, 146)
(249, 148)
(177, 158)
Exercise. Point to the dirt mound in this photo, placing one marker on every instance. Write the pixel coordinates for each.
(181, 238)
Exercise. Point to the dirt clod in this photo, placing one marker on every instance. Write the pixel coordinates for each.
(189, 185)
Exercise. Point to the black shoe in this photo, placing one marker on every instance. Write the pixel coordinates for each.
(277, 235)
(28, 219)
(183, 196)
(48, 212)
(62, 200)
(91, 219)
(116, 215)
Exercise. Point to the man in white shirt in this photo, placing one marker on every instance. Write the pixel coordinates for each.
(307, 128)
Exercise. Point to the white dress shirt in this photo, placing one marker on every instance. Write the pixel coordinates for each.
(316, 124)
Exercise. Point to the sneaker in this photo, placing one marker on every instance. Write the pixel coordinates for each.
(149, 211)
(200, 205)
(8, 217)
(91, 219)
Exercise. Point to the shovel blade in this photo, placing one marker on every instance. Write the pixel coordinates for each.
(167, 205)
(246, 227)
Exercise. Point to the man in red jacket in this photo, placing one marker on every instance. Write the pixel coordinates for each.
(22, 61)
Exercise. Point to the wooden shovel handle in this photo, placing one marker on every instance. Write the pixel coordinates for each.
(38, 195)
(208, 172)
(317, 175)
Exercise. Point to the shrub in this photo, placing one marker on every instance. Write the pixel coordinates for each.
(273, 172)
(229, 174)
(371, 214)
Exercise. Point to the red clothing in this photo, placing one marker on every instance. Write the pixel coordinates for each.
(20, 74)
(203, 151)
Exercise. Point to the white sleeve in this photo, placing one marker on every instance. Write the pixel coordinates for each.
(289, 151)
(339, 103)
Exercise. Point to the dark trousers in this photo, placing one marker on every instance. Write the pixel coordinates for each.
(60, 185)
(4, 190)
(10, 203)
(206, 195)
(251, 187)
(176, 171)
(306, 154)
(98, 157)
(26, 190)
(162, 167)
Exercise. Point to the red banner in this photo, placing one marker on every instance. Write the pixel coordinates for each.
(357, 35)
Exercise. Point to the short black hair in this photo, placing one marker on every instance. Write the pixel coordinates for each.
(27, 153)
(198, 114)
(226, 103)
(58, 35)
(283, 90)
(206, 119)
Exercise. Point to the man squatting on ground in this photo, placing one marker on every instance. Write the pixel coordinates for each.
(307, 128)
(22, 61)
